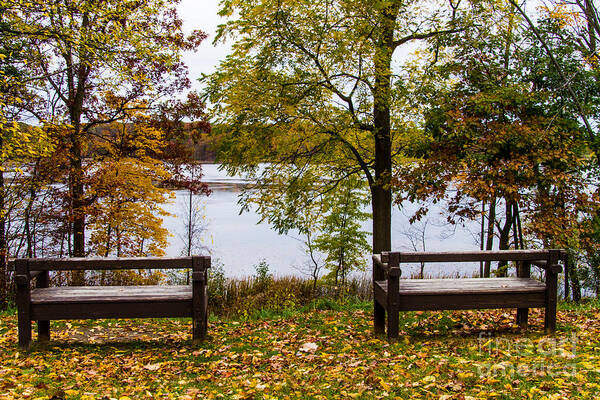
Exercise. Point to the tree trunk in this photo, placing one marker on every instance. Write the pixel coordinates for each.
(518, 226)
(590, 12)
(482, 236)
(504, 240)
(490, 235)
(77, 194)
(315, 269)
(575, 285)
(573, 276)
(77, 87)
(381, 188)
(515, 226)
(27, 217)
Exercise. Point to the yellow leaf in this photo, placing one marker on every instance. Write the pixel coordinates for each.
(152, 367)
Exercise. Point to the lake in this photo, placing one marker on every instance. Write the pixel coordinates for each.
(239, 242)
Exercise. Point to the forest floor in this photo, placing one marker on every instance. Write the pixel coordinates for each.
(315, 354)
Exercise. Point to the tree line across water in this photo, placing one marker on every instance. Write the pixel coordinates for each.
(488, 107)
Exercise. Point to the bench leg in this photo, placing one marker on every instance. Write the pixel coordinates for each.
(43, 331)
(199, 329)
(523, 317)
(393, 317)
(199, 299)
(24, 331)
(550, 318)
(393, 306)
(23, 305)
(378, 318)
(200, 318)
(551, 293)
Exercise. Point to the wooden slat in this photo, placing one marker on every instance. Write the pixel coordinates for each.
(470, 302)
(470, 286)
(78, 264)
(158, 309)
(472, 256)
(103, 294)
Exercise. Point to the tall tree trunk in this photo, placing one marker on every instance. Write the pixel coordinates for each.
(518, 226)
(381, 188)
(593, 28)
(77, 87)
(482, 236)
(77, 195)
(315, 268)
(490, 235)
(515, 226)
(27, 215)
(504, 240)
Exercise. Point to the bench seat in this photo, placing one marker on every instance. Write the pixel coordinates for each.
(80, 302)
(101, 294)
(467, 293)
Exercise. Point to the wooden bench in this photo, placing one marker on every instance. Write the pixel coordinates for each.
(392, 294)
(43, 303)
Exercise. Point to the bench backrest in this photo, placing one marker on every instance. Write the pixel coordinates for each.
(472, 256)
(82, 264)
(389, 262)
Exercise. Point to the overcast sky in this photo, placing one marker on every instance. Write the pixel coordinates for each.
(202, 14)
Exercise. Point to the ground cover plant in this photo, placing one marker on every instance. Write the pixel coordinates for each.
(325, 350)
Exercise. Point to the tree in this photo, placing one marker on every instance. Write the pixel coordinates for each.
(311, 84)
(98, 61)
(18, 143)
(340, 235)
(125, 218)
(328, 219)
(582, 17)
(502, 134)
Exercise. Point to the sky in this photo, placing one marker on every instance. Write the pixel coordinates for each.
(202, 14)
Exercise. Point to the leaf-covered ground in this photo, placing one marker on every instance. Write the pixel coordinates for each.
(310, 355)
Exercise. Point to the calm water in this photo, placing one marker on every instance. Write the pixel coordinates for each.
(239, 242)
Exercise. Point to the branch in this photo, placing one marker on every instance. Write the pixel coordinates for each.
(557, 66)
(421, 36)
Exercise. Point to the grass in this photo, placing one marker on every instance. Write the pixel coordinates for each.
(323, 350)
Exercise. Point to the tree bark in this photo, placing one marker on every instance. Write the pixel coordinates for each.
(27, 216)
(490, 235)
(77, 82)
(504, 240)
(381, 192)
(77, 197)
(76, 97)
(482, 236)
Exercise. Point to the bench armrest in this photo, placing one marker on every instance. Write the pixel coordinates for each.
(556, 268)
(384, 266)
(22, 280)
